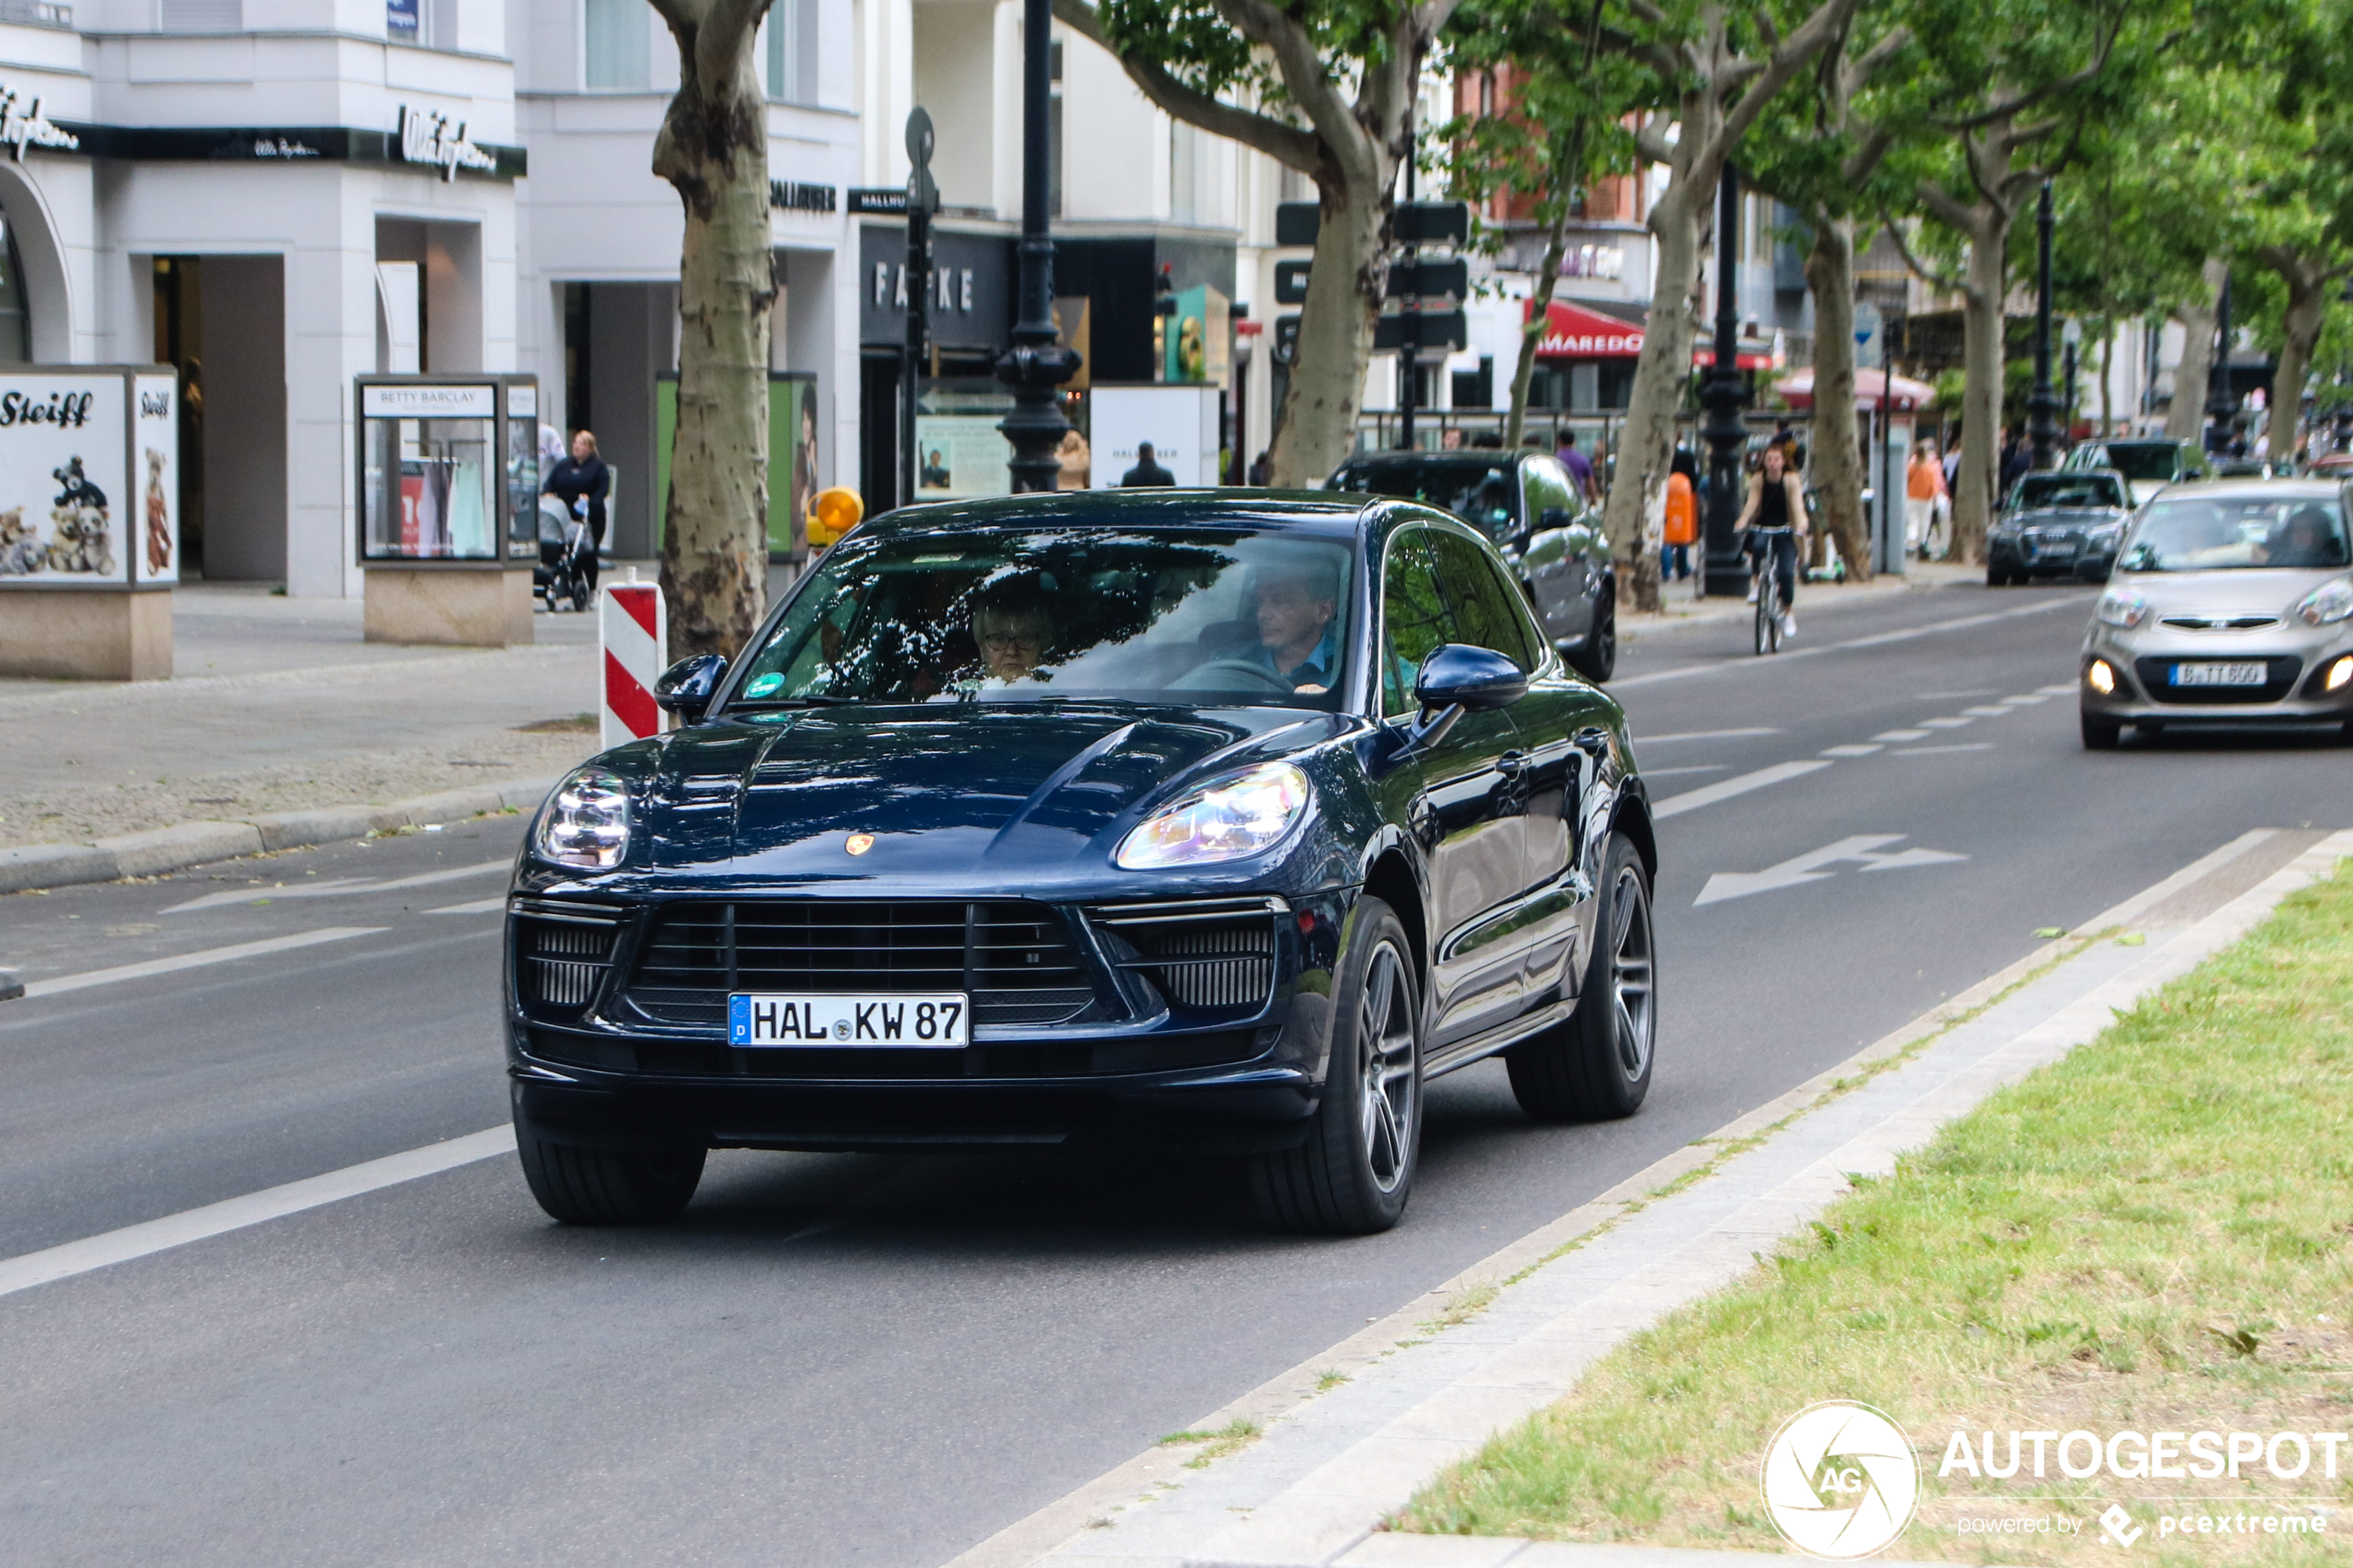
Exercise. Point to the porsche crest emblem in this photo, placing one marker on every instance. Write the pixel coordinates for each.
(860, 843)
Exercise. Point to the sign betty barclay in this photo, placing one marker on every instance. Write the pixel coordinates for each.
(1840, 1480)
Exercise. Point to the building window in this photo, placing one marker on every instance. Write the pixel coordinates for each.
(1184, 172)
(792, 51)
(617, 36)
(1475, 389)
(201, 16)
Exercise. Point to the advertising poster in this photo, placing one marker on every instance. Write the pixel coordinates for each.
(959, 450)
(66, 514)
(792, 466)
(1180, 423)
(154, 464)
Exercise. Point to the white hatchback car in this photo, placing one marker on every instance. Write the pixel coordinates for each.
(2230, 601)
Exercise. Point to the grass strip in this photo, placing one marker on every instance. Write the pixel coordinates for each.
(2150, 1235)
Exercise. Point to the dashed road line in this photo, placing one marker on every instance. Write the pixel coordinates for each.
(1707, 734)
(1725, 790)
(1946, 723)
(1893, 736)
(64, 983)
(1849, 750)
(1941, 750)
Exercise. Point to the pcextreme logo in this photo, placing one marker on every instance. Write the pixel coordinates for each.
(1840, 1480)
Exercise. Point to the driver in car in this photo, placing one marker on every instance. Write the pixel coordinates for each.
(2304, 540)
(1299, 624)
(1013, 626)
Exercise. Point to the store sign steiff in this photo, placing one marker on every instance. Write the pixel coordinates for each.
(427, 137)
(23, 125)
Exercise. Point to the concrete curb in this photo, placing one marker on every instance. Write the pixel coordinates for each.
(1315, 1490)
(34, 867)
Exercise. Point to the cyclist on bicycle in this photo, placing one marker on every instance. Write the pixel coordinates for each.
(1776, 513)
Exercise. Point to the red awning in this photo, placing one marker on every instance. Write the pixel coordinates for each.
(1746, 359)
(1571, 332)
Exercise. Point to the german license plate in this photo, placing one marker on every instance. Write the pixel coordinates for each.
(2221, 674)
(926, 1021)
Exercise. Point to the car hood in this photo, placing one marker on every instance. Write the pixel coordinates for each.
(2242, 590)
(970, 796)
(2063, 516)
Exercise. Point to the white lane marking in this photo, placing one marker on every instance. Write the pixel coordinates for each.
(1892, 735)
(1708, 795)
(2025, 699)
(1954, 696)
(236, 1213)
(1851, 750)
(64, 983)
(1706, 734)
(479, 907)
(1941, 750)
(1862, 848)
(337, 886)
(1932, 629)
(1695, 768)
(1947, 723)
(1988, 713)
(2067, 690)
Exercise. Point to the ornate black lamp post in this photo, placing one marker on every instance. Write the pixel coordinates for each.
(1724, 570)
(1036, 365)
(2221, 398)
(2041, 408)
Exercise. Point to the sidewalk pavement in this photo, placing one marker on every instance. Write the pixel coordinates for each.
(280, 705)
(1337, 1456)
(1681, 608)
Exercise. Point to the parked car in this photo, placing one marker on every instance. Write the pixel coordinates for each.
(1526, 504)
(2231, 600)
(2249, 468)
(1029, 822)
(2147, 465)
(2063, 525)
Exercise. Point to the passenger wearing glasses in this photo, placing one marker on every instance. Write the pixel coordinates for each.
(1014, 628)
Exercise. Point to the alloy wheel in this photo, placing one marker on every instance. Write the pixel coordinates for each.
(1385, 1050)
(1632, 998)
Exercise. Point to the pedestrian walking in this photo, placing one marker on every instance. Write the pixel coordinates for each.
(1581, 471)
(1261, 471)
(2017, 458)
(583, 482)
(1924, 489)
(1147, 472)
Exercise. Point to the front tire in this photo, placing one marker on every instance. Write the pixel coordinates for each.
(1597, 661)
(607, 1187)
(2101, 735)
(1353, 1173)
(1596, 1065)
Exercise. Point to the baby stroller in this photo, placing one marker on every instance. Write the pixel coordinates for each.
(565, 556)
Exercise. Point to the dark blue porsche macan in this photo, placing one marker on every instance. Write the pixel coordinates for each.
(1226, 819)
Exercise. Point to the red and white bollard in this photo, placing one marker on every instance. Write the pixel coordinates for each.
(631, 630)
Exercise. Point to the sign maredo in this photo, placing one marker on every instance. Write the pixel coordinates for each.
(1573, 332)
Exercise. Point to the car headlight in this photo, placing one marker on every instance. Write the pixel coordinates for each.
(586, 823)
(1239, 814)
(2125, 609)
(2327, 604)
(2104, 533)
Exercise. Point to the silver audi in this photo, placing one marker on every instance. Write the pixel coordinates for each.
(2230, 601)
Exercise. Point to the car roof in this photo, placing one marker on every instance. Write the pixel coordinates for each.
(1318, 512)
(1464, 456)
(2256, 489)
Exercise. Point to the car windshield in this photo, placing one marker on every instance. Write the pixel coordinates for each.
(2138, 459)
(1486, 495)
(2205, 534)
(1204, 618)
(2068, 489)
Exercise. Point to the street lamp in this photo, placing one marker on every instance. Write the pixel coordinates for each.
(2041, 424)
(2071, 335)
(1036, 366)
(1723, 570)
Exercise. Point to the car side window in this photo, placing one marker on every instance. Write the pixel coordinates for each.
(1486, 606)
(1413, 618)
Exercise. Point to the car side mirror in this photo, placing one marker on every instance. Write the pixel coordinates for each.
(1457, 675)
(687, 686)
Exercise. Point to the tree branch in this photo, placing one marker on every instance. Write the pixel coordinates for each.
(1872, 60)
(1925, 273)
(1309, 83)
(1650, 140)
(1284, 144)
(1787, 59)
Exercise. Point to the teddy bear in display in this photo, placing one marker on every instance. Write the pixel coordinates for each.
(20, 549)
(158, 516)
(80, 540)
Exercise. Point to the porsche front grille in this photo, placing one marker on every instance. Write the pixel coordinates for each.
(1216, 955)
(1014, 960)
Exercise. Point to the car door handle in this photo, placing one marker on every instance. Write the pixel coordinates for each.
(1593, 741)
(1512, 764)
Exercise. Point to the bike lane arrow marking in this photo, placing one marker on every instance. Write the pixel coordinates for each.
(1863, 849)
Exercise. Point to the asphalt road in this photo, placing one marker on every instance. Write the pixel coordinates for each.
(861, 1360)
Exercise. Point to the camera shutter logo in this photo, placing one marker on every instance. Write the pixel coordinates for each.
(1840, 1480)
